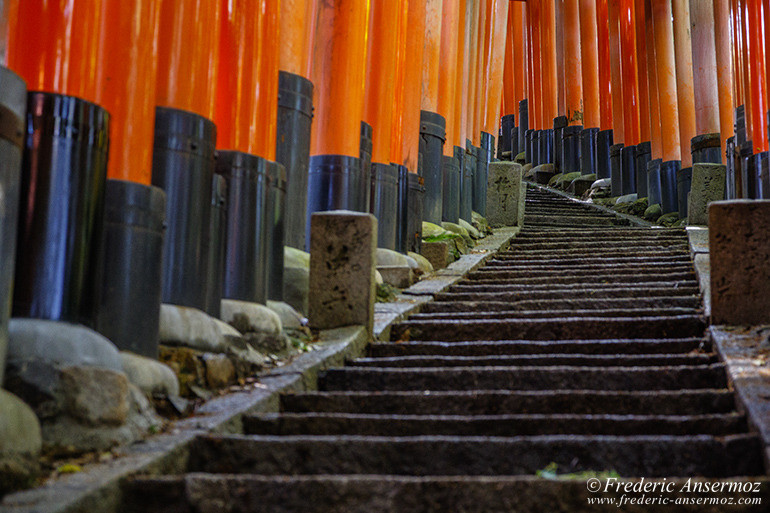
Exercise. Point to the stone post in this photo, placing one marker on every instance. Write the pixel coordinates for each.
(343, 247)
(505, 194)
(739, 245)
(708, 185)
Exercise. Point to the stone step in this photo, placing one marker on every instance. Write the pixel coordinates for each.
(529, 347)
(629, 233)
(591, 245)
(659, 290)
(524, 378)
(287, 424)
(540, 360)
(566, 304)
(479, 313)
(557, 221)
(609, 252)
(509, 279)
(535, 269)
(567, 288)
(287, 493)
(513, 260)
(640, 455)
(501, 402)
(568, 328)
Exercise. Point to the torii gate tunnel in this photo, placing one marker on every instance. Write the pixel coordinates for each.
(167, 150)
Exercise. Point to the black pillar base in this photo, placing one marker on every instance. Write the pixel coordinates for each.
(365, 154)
(432, 137)
(451, 189)
(275, 218)
(559, 124)
(669, 198)
(643, 155)
(706, 148)
(616, 170)
(588, 151)
(415, 201)
(570, 149)
(604, 141)
(384, 203)
(628, 170)
(683, 183)
(653, 182)
(523, 125)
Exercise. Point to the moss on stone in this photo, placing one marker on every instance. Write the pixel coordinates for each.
(669, 220)
(653, 212)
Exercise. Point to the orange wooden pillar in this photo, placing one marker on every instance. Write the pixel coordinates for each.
(756, 62)
(267, 94)
(298, 22)
(589, 60)
(704, 61)
(518, 38)
(742, 49)
(465, 71)
(684, 78)
(666, 75)
(448, 72)
(548, 52)
(509, 92)
(53, 45)
(723, 46)
(629, 73)
(573, 72)
(396, 126)
(642, 73)
(656, 150)
(339, 68)
(431, 55)
(536, 69)
(605, 82)
(618, 105)
(413, 67)
(561, 57)
(482, 76)
(236, 113)
(495, 83)
(188, 52)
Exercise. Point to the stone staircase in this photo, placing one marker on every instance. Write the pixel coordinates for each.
(582, 346)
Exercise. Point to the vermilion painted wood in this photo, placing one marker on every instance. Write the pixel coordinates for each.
(684, 78)
(413, 59)
(666, 75)
(431, 58)
(618, 104)
(536, 94)
(652, 82)
(338, 74)
(495, 84)
(298, 21)
(589, 60)
(704, 64)
(642, 72)
(756, 59)
(448, 71)
(548, 46)
(725, 76)
(603, 44)
(573, 72)
(630, 71)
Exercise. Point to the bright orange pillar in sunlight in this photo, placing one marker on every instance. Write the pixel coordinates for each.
(188, 52)
(127, 70)
(704, 61)
(629, 71)
(464, 71)
(236, 113)
(535, 103)
(589, 60)
(410, 112)
(431, 55)
(573, 72)
(381, 77)
(605, 83)
(548, 49)
(495, 85)
(509, 92)
(53, 45)
(723, 46)
(666, 75)
(448, 71)
(396, 125)
(298, 19)
(339, 67)
(684, 79)
(482, 76)
(518, 37)
(652, 76)
(756, 59)
(618, 105)
(642, 79)
(744, 64)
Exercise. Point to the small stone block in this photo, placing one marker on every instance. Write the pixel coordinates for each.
(543, 173)
(399, 276)
(504, 194)
(708, 184)
(343, 248)
(579, 186)
(437, 253)
(739, 244)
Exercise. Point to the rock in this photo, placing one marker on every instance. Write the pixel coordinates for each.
(543, 173)
(504, 196)
(95, 396)
(437, 253)
(581, 184)
(190, 327)
(430, 230)
(378, 278)
(342, 265)
(668, 220)
(19, 427)
(265, 343)
(554, 178)
(422, 262)
(473, 232)
(150, 376)
(708, 185)
(635, 208)
(250, 317)
(602, 183)
(566, 179)
(387, 257)
(411, 262)
(653, 212)
(480, 223)
(290, 318)
(296, 287)
(526, 171)
(399, 276)
(459, 230)
(220, 371)
(520, 158)
(628, 198)
(59, 343)
(293, 257)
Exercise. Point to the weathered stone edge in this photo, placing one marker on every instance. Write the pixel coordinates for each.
(735, 348)
(98, 489)
(601, 208)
